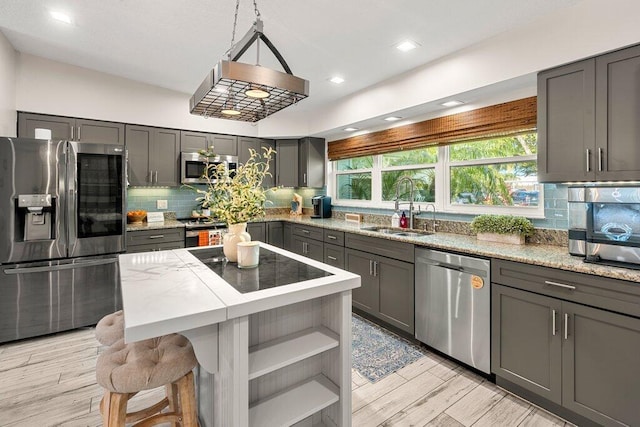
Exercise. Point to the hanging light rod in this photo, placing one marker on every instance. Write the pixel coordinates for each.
(255, 91)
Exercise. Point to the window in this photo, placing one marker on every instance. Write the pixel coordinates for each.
(497, 175)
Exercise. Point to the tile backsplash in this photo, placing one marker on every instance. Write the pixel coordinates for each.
(183, 200)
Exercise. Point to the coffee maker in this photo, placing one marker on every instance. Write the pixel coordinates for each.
(321, 207)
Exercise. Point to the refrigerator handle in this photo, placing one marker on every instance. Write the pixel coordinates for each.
(48, 268)
(72, 200)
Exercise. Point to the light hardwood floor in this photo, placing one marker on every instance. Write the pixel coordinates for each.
(50, 381)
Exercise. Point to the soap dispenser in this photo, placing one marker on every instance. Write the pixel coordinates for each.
(395, 220)
(404, 223)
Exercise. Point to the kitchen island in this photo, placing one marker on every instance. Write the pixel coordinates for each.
(273, 342)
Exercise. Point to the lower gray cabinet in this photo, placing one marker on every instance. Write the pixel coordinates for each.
(387, 287)
(310, 248)
(275, 233)
(287, 236)
(155, 240)
(334, 255)
(580, 357)
(257, 231)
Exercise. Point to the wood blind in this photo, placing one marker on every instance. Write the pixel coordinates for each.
(493, 121)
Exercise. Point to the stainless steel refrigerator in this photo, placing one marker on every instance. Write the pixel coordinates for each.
(62, 224)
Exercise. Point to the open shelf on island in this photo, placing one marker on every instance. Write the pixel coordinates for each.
(294, 404)
(284, 351)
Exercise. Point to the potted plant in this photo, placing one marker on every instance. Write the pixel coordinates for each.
(502, 228)
(236, 198)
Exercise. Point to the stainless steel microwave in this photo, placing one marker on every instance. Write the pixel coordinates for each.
(193, 166)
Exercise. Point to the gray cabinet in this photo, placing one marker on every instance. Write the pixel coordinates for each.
(71, 129)
(275, 233)
(287, 163)
(257, 144)
(310, 248)
(587, 119)
(257, 231)
(220, 144)
(153, 156)
(287, 236)
(388, 285)
(580, 358)
(311, 162)
(155, 240)
(334, 255)
(300, 163)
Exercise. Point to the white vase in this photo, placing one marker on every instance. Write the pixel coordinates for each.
(235, 234)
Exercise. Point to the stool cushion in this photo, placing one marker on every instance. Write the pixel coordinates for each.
(143, 365)
(110, 328)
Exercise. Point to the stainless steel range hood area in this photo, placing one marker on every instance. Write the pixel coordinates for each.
(230, 77)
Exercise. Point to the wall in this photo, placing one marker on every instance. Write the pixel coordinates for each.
(8, 60)
(183, 200)
(45, 86)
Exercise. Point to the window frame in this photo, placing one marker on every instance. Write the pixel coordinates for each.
(442, 186)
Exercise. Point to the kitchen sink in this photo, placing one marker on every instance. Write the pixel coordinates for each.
(396, 231)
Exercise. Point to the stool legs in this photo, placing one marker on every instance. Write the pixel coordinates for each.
(180, 400)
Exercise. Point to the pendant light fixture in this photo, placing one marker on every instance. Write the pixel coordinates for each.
(239, 91)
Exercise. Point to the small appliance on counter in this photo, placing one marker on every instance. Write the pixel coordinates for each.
(321, 207)
(604, 224)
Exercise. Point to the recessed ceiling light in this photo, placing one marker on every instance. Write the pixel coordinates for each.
(60, 16)
(336, 79)
(392, 118)
(452, 103)
(350, 129)
(407, 45)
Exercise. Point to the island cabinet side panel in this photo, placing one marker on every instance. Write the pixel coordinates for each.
(336, 363)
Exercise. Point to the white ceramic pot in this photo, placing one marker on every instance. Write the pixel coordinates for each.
(235, 234)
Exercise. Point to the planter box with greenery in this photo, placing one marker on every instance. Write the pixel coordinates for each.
(502, 228)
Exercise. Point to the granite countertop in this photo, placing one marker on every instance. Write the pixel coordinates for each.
(542, 255)
(172, 223)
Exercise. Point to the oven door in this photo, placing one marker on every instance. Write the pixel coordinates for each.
(203, 237)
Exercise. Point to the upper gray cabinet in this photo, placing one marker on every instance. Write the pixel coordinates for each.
(287, 164)
(258, 144)
(71, 129)
(153, 155)
(301, 163)
(220, 144)
(587, 119)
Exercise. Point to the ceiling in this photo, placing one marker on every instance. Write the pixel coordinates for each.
(174, 43)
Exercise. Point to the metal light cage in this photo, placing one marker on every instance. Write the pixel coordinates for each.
(225, 85)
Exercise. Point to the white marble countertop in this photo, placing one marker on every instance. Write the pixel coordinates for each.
(172, 291)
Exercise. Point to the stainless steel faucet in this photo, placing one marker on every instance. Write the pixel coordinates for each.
(433, 218)
(412, 187)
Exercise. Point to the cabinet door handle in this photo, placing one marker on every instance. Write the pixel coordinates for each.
(156, 177)
(78, 133)
(304, 178)
(332, 258)
(600, 166)
(332, 237)
(559, 285)
(150, 179)
(157, 236)
(588, 160)
(72, 131)
(553, 322)
(375, 268)
(566, 326)
(370, 268)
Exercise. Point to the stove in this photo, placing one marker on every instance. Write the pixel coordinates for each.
(196, 229)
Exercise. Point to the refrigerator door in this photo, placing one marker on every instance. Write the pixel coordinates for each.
(96, 202)
(32, 170)
(45, 297)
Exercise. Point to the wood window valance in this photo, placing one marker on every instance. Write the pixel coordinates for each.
(493, 121)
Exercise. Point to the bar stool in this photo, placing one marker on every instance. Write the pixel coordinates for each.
(126, 369)
(110, 328)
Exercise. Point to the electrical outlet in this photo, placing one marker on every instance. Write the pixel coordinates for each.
(161, 204)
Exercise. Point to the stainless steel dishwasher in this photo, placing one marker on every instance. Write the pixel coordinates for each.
(453, 306)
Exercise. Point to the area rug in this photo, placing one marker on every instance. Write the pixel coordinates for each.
(378, 352)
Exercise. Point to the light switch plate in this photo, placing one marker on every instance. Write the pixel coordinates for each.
(161, 204)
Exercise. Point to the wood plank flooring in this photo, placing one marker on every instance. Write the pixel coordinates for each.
(50, 381)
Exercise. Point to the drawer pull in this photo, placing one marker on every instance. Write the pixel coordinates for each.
(559, 285)
(331, 237)
(157, 236)
(306, 231)
(332, 258)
